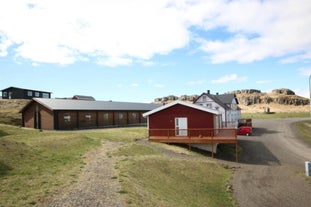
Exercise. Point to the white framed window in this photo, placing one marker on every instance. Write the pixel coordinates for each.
(121, 116)
(204, 98)
(37, 94)
(4, 94)
(88, 117)
(29, 93)
(67, 118)
(106, 116)
(134, 115)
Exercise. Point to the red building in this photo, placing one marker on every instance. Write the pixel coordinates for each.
(182, 119)
(183, 122)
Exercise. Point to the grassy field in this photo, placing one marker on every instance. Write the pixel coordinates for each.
(9, 111)
(275, 115)
(34, 165)
(304, 129)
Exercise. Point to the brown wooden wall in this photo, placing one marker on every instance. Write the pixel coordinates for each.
(105, 119)
(94, 119)
(66, 124)
(37, 116)
(70, 120)
(28, 116)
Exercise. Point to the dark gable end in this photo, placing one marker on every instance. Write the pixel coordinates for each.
(23, 93)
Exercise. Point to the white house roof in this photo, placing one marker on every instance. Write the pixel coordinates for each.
(212, 111)
(69, 104)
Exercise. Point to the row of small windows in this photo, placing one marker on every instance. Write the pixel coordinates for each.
(37, 94)
(106, 116)
(29, 93)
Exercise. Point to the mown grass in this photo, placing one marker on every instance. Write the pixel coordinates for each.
(275, 115)
(304, 129)
(173, 182)
(149, 179)
(35, 165)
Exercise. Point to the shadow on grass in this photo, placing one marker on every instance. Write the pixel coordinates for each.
(3, 133)
(4, 169)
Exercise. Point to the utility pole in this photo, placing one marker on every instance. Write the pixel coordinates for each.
(310, 92)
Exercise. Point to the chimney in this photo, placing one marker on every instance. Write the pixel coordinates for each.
(217, 93)
(208, 91)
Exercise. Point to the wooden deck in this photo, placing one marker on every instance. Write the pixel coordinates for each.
(195, 136)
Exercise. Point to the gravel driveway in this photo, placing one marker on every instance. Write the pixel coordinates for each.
(271, 166)
(95, 186)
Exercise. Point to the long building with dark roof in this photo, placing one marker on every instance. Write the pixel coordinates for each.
(67, 114)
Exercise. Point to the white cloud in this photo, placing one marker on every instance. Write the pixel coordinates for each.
(4, 45)
(59, 31)
(114, 61)
(134, 85)
(305, 57)
(121, 32)
(263, 81)
(196, 82)
(146, 62)
(303, 92)
(305, 71)
(229, 78)
(261, 29)
(158, 85)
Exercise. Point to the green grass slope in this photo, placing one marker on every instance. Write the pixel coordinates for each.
(9, 111)
(35, 165)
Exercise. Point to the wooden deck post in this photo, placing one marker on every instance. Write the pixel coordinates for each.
(236, 151)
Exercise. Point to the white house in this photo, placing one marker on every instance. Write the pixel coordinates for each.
(226, 104)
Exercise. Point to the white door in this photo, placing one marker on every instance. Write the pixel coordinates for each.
(181, 126)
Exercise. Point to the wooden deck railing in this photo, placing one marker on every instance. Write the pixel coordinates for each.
(197, 136)
(194, 134)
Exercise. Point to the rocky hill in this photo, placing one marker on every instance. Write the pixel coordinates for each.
(253, 100)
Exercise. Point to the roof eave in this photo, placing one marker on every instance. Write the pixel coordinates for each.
(195, 106)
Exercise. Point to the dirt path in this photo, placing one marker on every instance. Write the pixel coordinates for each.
(271, 169)
(95, 187)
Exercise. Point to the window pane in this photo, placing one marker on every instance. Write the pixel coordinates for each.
(45, 95)
(67, 118)
(88, 116)
(106, 116)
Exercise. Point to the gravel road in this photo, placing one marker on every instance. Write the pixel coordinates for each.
(271, 166)
(95, 186)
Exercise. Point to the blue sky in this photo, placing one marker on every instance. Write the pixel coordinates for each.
(140, 50)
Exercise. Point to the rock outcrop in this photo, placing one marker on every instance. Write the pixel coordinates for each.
(250, 97)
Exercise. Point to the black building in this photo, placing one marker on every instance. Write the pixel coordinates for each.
(23, 93)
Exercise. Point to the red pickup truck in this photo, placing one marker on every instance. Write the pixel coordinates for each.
(244, 130)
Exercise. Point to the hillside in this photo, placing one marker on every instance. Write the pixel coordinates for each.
(9, 111)
(254, 101)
